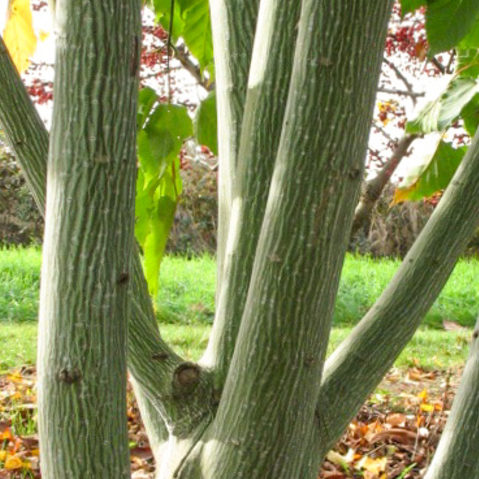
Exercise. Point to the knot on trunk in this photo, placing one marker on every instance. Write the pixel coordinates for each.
(185, 379)
(69, 376)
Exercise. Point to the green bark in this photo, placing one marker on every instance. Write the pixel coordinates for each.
(24, 130)
(233, 25)
(87, 246)
(268, 403)
(260, 133)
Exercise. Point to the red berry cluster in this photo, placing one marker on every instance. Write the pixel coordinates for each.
(40, 91)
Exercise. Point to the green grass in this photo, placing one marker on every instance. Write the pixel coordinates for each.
(187, 289)
(185, 306)
(430, 349)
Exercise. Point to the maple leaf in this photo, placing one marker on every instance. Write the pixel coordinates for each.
(18, 33)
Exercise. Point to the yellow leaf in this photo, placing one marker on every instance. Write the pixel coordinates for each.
(13, 462)
(402, 194)
(374, 466)
(19, 35)
(423, 395)
(3, 455)
(427, 407)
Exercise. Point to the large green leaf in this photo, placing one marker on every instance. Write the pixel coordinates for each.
(432, 176)
(449, 21)
(197, 30)
(160, 137)
(440, 113)
(146, 99)
(205, 123)
(467, 63)
(191, 21)
(471, 40)
(162, 9)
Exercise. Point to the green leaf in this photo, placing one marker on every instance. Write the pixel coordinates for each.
(408, 6)
(431, 176)
(158, 184)
(470, 115)
(471, 40)
(160, 141)
(449, 21)
(467, 64)
(146, 99)
(197, 30)
(162, 9)
(205, 123)
(440, 113)
(154, 245)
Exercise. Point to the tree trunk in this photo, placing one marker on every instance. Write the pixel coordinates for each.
(456, 456)
(87, 247)
(278, 412)
(260, 134)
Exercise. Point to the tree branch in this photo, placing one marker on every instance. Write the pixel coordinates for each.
(360, 362)
(257, 154)
(233, 25)
(392, 91)
(399, 74)
(192, 68)
(151, 361)
(373, 188)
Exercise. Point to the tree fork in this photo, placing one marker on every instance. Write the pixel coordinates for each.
(258, 433)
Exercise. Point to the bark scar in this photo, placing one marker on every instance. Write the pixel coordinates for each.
(69, 376)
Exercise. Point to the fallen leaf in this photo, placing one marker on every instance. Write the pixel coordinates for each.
(13, 462)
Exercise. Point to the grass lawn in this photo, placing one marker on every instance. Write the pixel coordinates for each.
(185, 306)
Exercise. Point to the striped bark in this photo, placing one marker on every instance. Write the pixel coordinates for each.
(87, 245)
(233, 24)
(456, 456)
(260, 134)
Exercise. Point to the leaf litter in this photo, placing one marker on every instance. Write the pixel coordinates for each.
(393, 436)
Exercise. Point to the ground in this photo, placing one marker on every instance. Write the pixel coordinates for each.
(393, 436)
